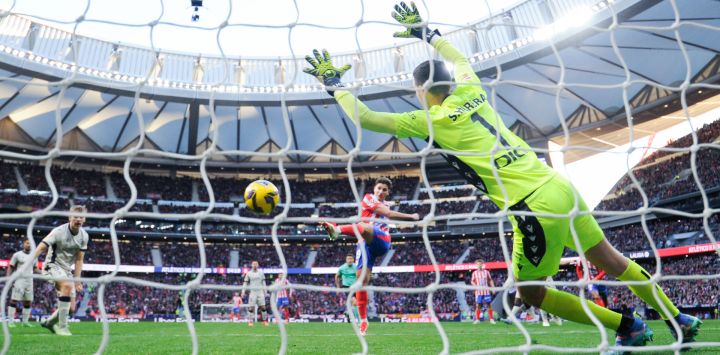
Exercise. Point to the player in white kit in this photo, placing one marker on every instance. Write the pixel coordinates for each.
(65, 247)
(22, 291)
(256, 278)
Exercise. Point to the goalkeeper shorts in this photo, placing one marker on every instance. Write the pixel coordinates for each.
(539, 241)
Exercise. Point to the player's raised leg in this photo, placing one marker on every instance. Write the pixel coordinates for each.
(333, 230)
(379, 245)
(538, 246)
(614, 263)
(373, 235)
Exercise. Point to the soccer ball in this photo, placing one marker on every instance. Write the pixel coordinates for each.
(261, 196)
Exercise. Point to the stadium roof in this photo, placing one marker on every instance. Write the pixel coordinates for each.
(99, 113)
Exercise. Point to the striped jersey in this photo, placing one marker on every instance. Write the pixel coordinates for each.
(237, 301)
(481, 278)
(283, 293)
(369, 203)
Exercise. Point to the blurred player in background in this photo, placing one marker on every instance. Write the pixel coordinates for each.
(374, 236)
(22, 292)
(284, 295)
(256, 278)
(65, 247)
(237, 301)
(346, 276)
(599, 293)
(483, 297)
(512, 176)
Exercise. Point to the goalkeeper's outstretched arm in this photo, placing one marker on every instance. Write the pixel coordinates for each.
(463, 71)
(409, 16)
(323, 69)
(383, 122)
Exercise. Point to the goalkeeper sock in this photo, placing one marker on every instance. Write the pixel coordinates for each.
(477, 313)
(349, 230)
(490, 313)
(26, 315)
(362, 301)
(635, 272)
(63, 310)
(568, 306)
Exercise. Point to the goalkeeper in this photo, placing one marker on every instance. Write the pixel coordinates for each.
(463, 121)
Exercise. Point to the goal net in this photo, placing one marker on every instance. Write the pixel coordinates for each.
(526, 55)
(227, 313)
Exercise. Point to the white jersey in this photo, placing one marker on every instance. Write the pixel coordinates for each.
(255, 279)
(19, 260)
(63, 245)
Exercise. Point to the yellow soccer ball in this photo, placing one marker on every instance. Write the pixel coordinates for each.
(261, 196)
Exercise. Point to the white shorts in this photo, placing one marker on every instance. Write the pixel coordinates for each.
(256, 299)
(22, 292)
(56, 273)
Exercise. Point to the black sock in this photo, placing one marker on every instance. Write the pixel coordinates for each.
(626, 324)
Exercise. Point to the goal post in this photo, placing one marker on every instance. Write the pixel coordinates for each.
(223, 312)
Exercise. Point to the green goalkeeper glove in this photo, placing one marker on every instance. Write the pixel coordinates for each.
(324, 71)
(410, 18)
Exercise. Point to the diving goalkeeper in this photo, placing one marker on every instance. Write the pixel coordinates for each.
(463, 121)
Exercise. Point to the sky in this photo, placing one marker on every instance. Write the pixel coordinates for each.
(255, 28)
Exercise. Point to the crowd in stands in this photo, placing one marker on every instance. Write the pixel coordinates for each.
(415, 252)
(444, 300)
(7, 176)
(667, 173)
(136, 251)
(85, 183)
(459, 191)
(178, 187)
(129, 298)
(684, 293)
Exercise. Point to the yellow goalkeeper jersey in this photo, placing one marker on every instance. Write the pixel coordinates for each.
(465, 123)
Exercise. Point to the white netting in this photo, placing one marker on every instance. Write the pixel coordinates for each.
(78, 74)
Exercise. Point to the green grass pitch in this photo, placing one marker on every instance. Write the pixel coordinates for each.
(316, 338)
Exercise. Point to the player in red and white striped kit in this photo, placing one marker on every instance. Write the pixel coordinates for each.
(283, 297)
(483, 297)
(374, 236)
(237, 301)
(599, 293)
